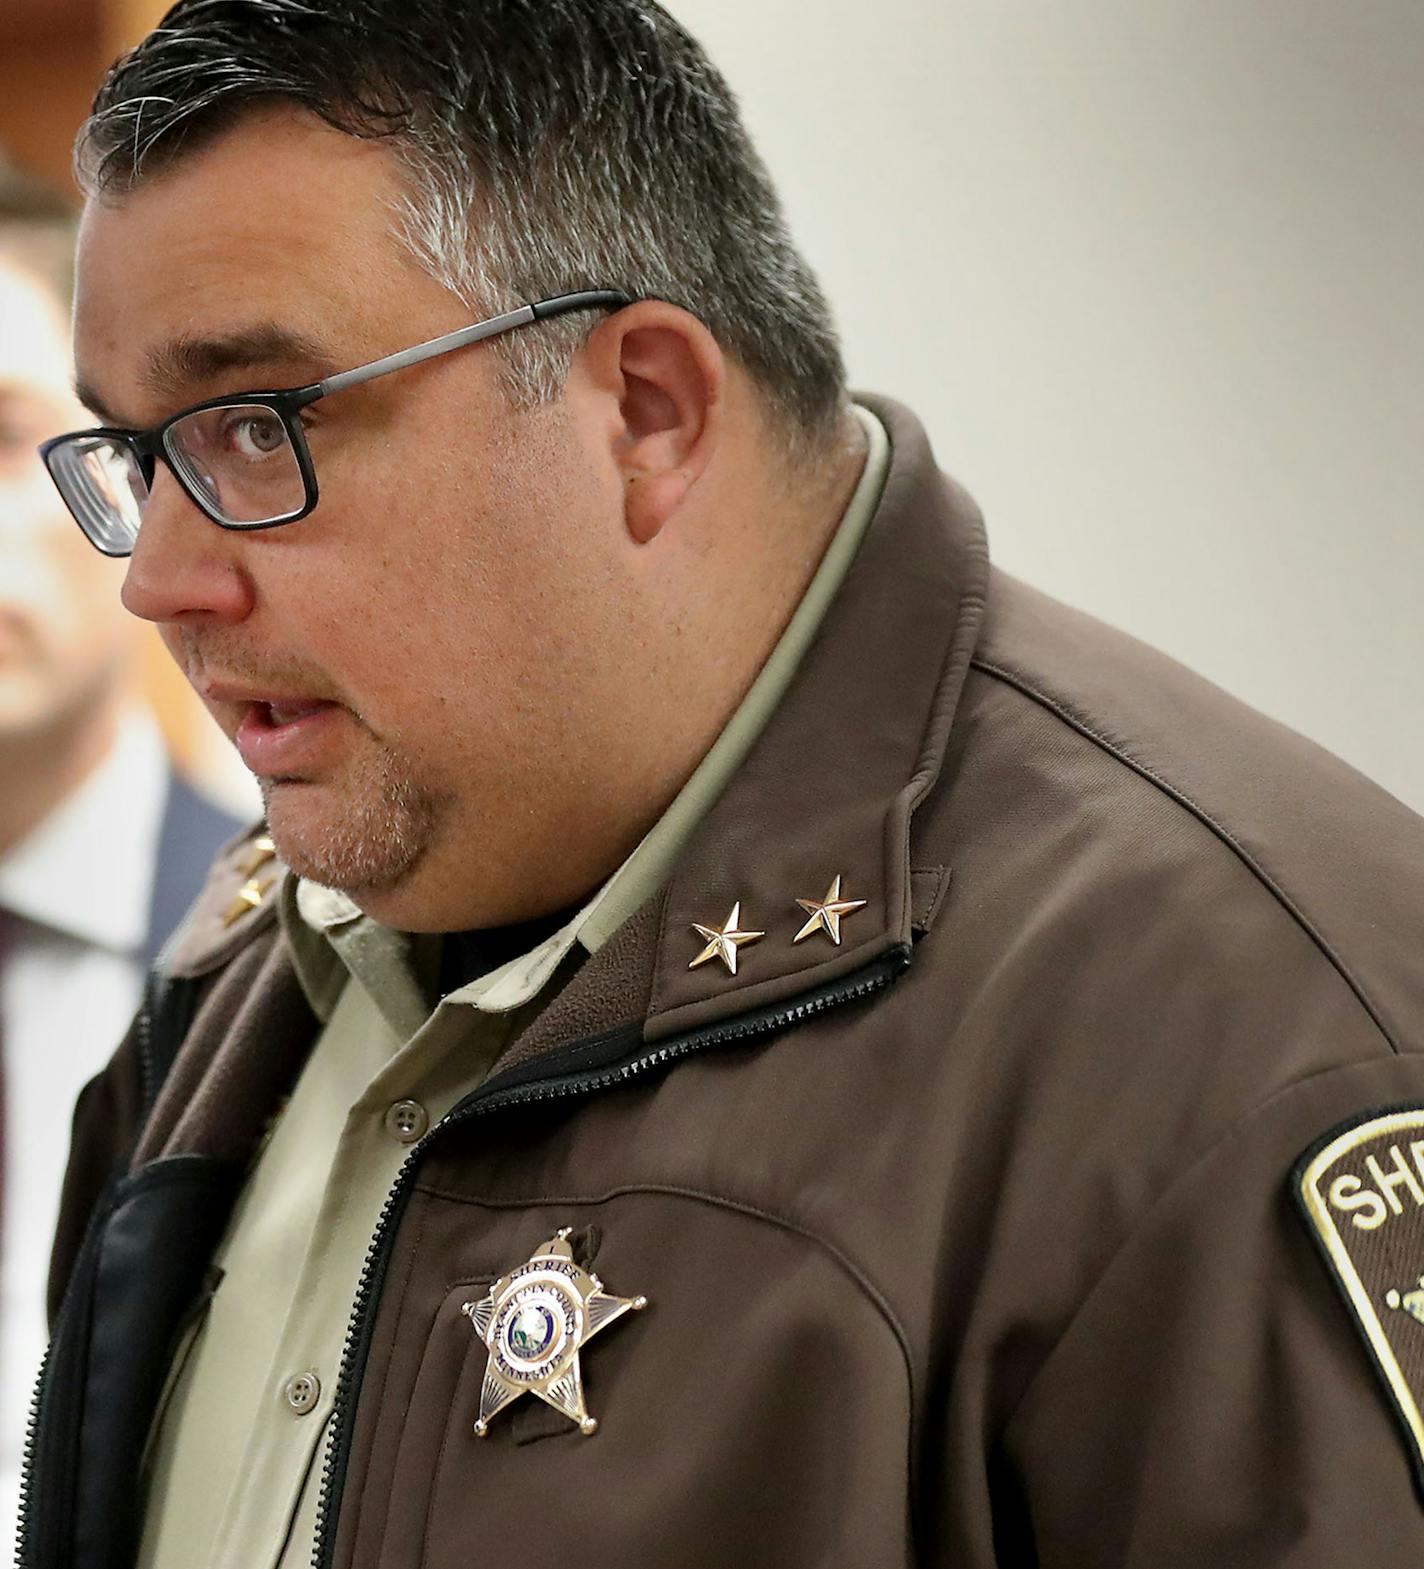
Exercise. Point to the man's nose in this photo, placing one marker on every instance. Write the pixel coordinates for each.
(184, 568)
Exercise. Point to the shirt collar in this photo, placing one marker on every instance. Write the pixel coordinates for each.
(649, 865)
(325, 929)
(87, 868)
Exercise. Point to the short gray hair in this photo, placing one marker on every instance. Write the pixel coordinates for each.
(549, 146)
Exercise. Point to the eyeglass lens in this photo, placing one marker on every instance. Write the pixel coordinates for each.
(237, 460)
(104, 486)
(240, 461)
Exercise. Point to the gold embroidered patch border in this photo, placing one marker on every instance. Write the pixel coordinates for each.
(1361, 1189)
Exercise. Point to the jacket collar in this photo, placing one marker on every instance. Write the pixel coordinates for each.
(829, 789)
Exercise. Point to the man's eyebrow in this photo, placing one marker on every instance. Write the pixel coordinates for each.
(179, 364)
(190, 360)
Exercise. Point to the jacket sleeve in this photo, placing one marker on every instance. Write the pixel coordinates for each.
(107, 1118)
(1212, 1402)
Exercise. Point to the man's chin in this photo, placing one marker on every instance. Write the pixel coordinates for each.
(361, 846)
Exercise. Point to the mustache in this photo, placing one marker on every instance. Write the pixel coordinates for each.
(206, 657)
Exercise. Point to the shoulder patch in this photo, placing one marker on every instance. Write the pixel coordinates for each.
(1361, 1189)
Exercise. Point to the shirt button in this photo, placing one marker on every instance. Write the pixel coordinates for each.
(303, 1392)
(407, 1120)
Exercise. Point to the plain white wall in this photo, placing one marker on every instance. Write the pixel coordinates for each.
(1150, 271)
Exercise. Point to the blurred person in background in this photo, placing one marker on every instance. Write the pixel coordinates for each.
(102, 843)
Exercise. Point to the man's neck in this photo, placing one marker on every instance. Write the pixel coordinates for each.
(793, 527)
(42, 767)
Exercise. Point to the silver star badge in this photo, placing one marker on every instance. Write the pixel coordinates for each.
(534, 1321)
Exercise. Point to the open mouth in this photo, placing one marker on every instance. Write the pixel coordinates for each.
(276, 716)
(286, 737)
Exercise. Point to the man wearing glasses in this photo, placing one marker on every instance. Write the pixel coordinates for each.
(746, 1037)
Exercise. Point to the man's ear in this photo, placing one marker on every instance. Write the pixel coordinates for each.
(664, 377)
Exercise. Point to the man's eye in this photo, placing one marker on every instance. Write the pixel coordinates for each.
(20, 426)
(17, 444)
(256, 435)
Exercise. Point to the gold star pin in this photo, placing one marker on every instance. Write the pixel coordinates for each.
(249, 898)
(724, 941)
(534, 1321)
(826, 913)
(259, 852)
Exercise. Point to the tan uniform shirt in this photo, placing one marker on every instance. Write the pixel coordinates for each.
(233, 1477)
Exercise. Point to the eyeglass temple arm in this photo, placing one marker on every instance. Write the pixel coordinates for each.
(587, 299)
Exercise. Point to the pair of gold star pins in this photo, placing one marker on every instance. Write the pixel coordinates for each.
(250, 896)
(723, 942)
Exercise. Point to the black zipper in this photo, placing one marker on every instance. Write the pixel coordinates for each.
(24, 1558)
(498, 1095)
(29, 1554)
(148, 1068)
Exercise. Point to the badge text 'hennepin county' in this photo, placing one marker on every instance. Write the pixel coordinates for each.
(534, 1321)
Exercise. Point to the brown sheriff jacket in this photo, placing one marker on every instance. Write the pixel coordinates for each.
(967, 1242)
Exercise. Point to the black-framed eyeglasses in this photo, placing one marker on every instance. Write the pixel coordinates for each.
(243, 459)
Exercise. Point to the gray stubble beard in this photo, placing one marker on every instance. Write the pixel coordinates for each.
(384, 832)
